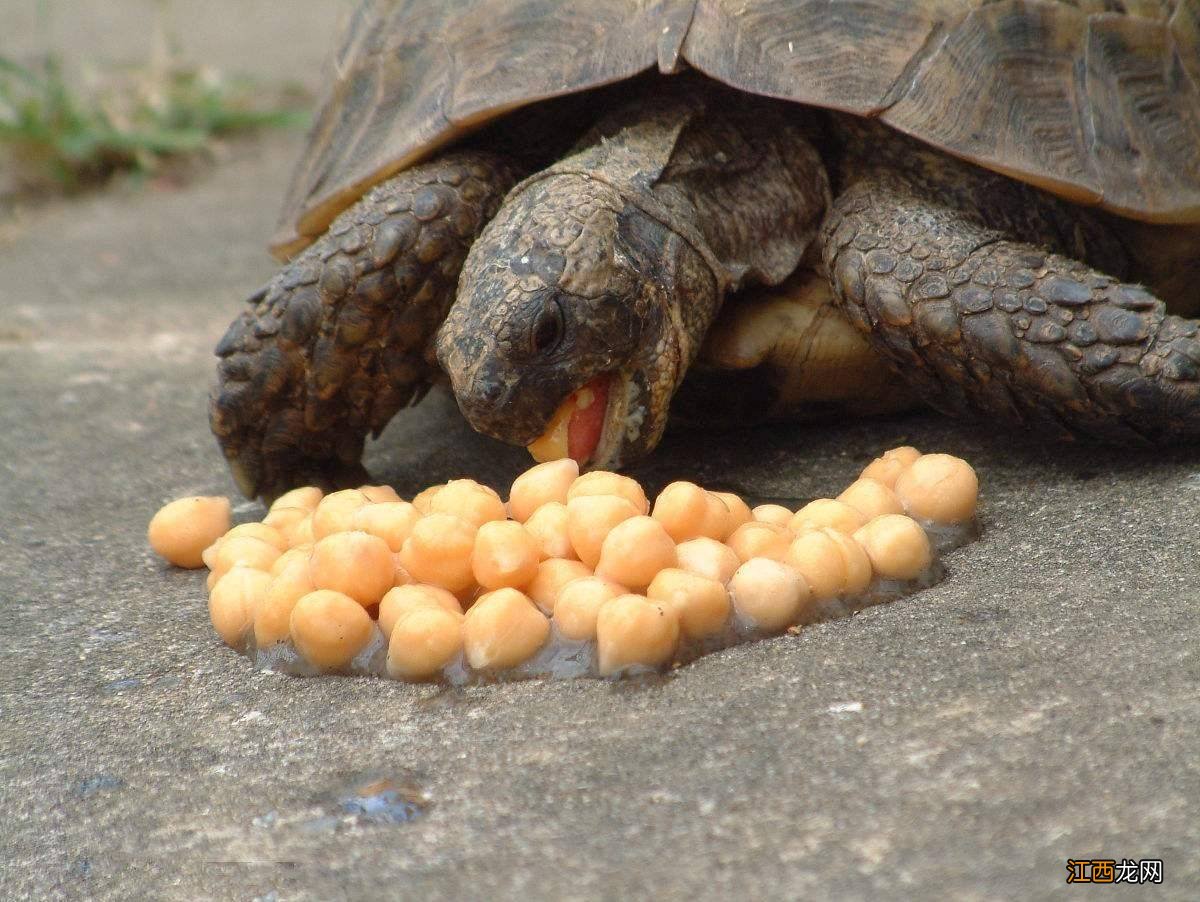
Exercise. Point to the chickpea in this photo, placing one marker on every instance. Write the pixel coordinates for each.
(751, 540)
(233, 601)
(287, 520)
(687, 511)
(767, 594)
(939, 487)
(306, 497)
(890, 465)
(272, 618)
(735, 514)
(469, 501)
(505, 555)
(820, 560)
(438, 552)
(552, 575)
(392, 521)
(634, 551)
(424, 499)
(379, 494)
(897, 546)
(246, 551)
(775, 514)
(336, 512)
(601, 482)
(401, 576)
(540, 485)
(590, 518)
(356, 564)
(707, 557)
(423, 643)
(301, 553)
(302, 533)
(871, 498)
(548, 526)
(827, 512)
(858, 564)
(631, 630)
(578, 604)
(329, 628)
(503, 629)
(398, 602)
(181, 530)
(701, 604)
(259, 531)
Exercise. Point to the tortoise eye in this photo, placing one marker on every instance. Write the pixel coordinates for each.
(548, 330)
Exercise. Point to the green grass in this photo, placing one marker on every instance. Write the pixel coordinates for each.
(132, 121)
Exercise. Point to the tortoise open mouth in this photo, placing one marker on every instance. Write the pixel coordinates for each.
(591, 425)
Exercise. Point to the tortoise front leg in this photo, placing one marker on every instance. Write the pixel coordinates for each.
(339, 340)
(969, 283)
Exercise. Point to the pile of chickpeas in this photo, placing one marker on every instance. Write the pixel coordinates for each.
(573, 575)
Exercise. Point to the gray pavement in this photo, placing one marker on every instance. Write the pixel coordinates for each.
(1042, 703)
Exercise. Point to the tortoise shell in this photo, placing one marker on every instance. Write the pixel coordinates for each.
(1097, 101)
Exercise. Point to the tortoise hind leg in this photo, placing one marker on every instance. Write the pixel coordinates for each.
(969, 283)
(338, 341)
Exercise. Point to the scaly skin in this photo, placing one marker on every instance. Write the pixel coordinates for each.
(339, 340)
(970, 284)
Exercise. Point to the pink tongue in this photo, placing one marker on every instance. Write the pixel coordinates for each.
(583, 432)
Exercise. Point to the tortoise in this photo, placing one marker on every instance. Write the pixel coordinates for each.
(550, 204)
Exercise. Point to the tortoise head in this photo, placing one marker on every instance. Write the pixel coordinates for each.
(566, 325)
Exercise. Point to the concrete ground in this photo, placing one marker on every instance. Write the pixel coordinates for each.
(1041, 704)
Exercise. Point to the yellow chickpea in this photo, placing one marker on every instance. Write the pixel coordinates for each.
(871, 498)
(707, 557)
(687, 511)
(356, 564)
(753, 539)
(181, 530)
(438, 552)
(468, 500)
(292, 554)
(888, 467)
(286, 520)
(551, 576)
(245, 551)
(424, 499)
(302, 533)
(578, 604)
(398, 602)
(329, 628)
(768, 595)
(379, 494)
(401, 577)
(233, 601)
(735, 514)
(859, 572)
(633, 631)
(259, 531)
(602, 482)
(392, 521)
(423, 643)
(272, 618)
(827, 512)
(897, 546)
(503, 629)
(505, 555)
(634, 551)
(306, 497)
(548, 526)
(820, 560)
(775, 514)
(336, 512)
(541, 485)
(939, 487)
(701, 604)
(590, 518)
